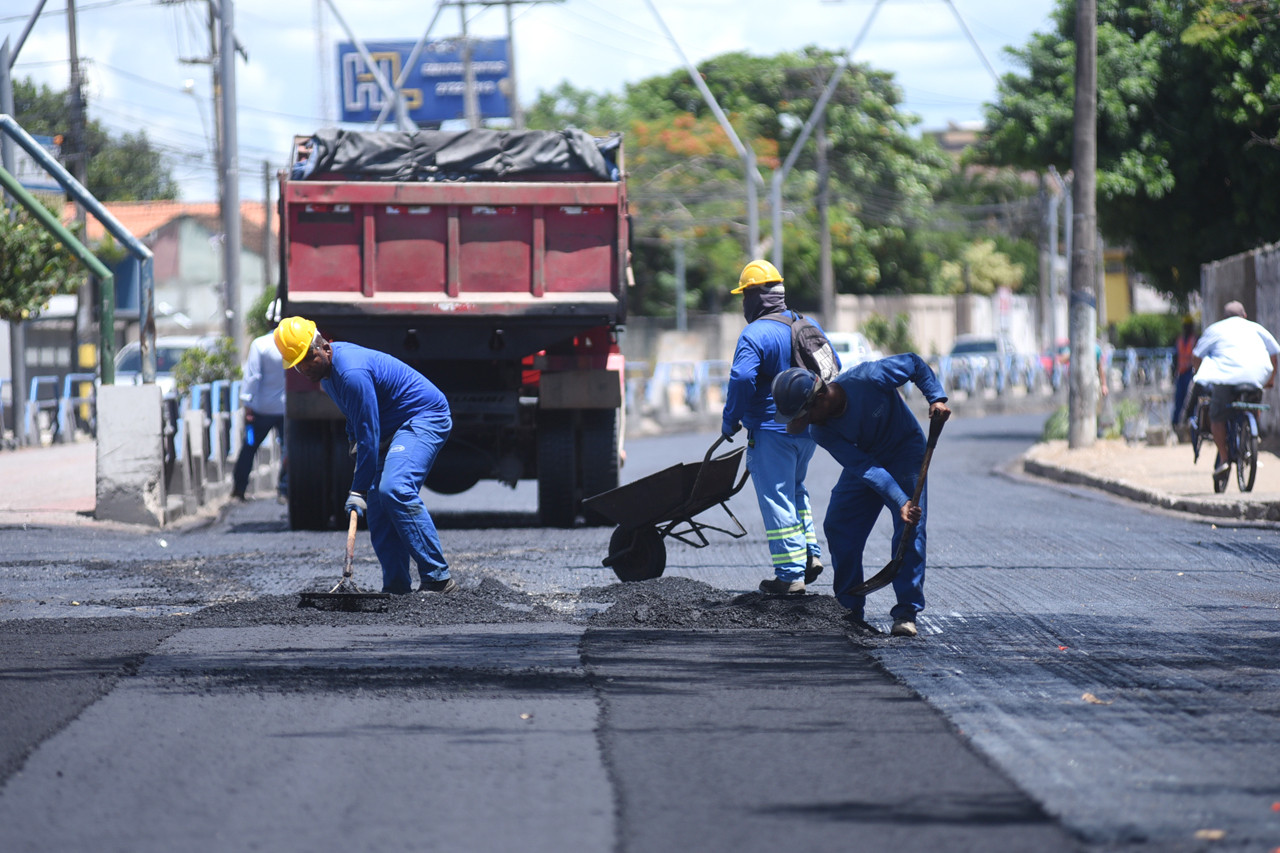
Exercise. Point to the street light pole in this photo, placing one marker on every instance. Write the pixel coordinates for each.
(745, 152)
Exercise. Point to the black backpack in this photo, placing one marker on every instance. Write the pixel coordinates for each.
(809, 346)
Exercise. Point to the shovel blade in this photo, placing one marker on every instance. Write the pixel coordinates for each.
(351, 602)
(879, 580)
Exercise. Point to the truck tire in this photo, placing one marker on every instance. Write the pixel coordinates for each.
(557, 469)
(320, 469)
(308, 490)
(599, 457)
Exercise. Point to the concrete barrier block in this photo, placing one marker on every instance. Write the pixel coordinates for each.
(130, 455)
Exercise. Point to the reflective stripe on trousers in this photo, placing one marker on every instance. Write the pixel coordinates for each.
(400, 527)
(778, 463)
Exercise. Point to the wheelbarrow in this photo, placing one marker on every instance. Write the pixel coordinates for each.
(665, 504)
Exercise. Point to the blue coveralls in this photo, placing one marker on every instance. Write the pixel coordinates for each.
(386, 402)
(879, 443)
(778, 462)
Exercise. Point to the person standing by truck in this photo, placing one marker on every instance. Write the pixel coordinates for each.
(262, 393)
(778, 462)
(397, 420)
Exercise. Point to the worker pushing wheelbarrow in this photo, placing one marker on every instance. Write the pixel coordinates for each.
(665, 504)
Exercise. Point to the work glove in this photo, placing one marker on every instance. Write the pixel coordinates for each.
(729, 431)
(355, 503)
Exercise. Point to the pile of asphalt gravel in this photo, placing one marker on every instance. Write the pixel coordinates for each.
(489, 602)
(666, 602)
(684, 603)
(669, 602)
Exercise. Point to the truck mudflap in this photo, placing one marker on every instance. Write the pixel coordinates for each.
(580, 389)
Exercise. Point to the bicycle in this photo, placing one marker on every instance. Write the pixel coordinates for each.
(1242, 435)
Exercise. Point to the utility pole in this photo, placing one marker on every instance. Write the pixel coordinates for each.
(17, 329)
(470, 104)
(230, 166)
(748, 155)
(826, 275)
(1047, 237)
(266, 225)
(1083, 398)
(682, 311)
(517, 111)
(78, 162)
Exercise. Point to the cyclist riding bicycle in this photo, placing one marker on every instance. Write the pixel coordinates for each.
(1232, 352)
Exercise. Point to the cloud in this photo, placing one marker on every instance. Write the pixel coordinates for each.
(133, 51)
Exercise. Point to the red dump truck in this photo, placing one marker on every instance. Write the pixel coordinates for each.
(493, 262)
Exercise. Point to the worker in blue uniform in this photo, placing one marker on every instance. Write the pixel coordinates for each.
(778, 462)
(864, 423)
(398, 421)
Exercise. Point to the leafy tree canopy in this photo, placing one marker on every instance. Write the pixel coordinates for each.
(897, 208)
(1187, 126)
(687, 181)
(34, 267)
(124, 169)
(981, 269)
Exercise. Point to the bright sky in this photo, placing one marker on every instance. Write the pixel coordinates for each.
(132, 52)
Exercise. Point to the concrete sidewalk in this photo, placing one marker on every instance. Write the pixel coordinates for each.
(55, 484)
(1165, 476)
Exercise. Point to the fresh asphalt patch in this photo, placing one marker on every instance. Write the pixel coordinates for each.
(727, 720)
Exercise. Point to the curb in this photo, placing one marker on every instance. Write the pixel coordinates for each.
(1233, 510)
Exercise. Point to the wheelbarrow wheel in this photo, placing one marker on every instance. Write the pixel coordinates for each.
(637, 553)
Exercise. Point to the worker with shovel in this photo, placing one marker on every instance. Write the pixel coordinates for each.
(398, 421)
(863, 422)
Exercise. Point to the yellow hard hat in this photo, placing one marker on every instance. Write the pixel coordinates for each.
(293, 338)
(756, 273)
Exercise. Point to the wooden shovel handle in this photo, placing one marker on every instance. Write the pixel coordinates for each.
(351, 545)
(935, 430)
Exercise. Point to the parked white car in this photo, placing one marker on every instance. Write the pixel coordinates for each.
(169, 350)
(853, 348)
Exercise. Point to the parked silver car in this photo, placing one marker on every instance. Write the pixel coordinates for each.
(169, 350)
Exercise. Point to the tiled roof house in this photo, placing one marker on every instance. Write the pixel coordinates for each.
(188, 257)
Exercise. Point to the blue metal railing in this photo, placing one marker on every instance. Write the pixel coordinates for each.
(69, 400)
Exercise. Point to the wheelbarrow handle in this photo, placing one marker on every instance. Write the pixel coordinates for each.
(719, 441)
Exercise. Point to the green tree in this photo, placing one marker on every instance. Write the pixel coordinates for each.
(981, 269)
(568, 106)
(124, 169)
(34, 266)
(199, 366)
(890, 336)
(1187, 126)
(882, 177)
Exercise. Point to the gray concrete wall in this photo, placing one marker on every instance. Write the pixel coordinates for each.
(130, 461)
(1253, 278)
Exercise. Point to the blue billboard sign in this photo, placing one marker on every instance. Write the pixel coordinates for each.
(433, 88)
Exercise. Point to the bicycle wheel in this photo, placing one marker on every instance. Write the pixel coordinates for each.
(1220, 480)
(1199, 422)
(1246, 452)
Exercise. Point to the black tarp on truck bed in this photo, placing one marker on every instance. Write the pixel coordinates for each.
(427, 155)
